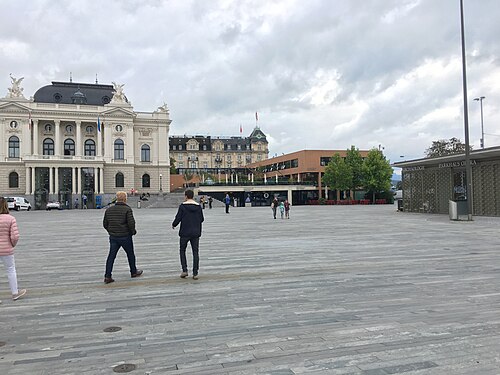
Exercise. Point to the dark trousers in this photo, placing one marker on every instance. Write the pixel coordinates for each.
(114, 245)
(195, 243)
(227, 208)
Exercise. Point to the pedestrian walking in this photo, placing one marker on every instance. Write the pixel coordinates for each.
(120, 223)
(227, 201)
(84, 202)
(274, 206)
(210, 201)
(190, 216)
(287, 209)
(282, 210)
(76, 203)
(9, 236)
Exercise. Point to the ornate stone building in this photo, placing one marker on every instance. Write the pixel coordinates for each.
(74, 139)
(211, 154)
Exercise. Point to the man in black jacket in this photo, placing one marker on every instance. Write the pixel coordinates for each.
(190, 215)
(120, 223)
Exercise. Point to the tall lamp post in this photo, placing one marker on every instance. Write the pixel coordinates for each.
(480, 100)
(160, 183)
(468, 168)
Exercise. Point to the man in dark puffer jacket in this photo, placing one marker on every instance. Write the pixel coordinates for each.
(120, 223)
(190, 216)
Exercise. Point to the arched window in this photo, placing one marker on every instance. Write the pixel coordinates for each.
(119, 180)
(69, 147)
(48, 146)
(119, 150)
(146, 181)
(13, 147)
(13, 180)
(145, 153)
(89, 147)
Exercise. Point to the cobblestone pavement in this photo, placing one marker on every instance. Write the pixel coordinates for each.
(334, 290)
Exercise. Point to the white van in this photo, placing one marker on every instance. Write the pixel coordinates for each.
(18, 203)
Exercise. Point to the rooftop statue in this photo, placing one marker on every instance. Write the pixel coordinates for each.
(118, 96)
(163, 108)
(16, 91)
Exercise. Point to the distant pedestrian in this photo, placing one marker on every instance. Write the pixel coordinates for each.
(210, 201)
(274, 206)
(282, 209)
(287, 209)
(84, 202)
(9, 235)
(76, 202)
(227, 201)
(120, 223)
(190, 216)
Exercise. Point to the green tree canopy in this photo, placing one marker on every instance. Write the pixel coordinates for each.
(377, 172)
(172, 166)
(355, 163)
(338, 174)
(444, 147)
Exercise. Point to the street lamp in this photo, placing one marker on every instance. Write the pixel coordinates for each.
(468, 167)
(160, 182)
(480, 100)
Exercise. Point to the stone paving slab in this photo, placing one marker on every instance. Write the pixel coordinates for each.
(362, 290)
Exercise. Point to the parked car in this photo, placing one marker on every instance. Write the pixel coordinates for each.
(18, 203)
(53, 206)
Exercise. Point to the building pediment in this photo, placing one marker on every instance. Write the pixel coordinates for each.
(13, 107)
(118, 112)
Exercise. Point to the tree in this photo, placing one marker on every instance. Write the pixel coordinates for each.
(377, 172)
(173, 170)
(338, 174)
(444, 147)
(355, 162)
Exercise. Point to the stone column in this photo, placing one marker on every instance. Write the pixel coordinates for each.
(33, 179)
(79, 180)
(96, 187)
(56, 182)
(101, 187)
(51, 180)
(57, 136)
(28, 185)
(78, 140)
(73, 180)
(35, 137)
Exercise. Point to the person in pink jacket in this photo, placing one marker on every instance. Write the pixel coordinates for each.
(9, 235)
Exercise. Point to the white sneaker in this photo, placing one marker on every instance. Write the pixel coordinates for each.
(19, 294)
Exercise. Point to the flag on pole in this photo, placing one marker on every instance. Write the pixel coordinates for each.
(98, 124)
(256, 117)
(30, 121)
(241, 129)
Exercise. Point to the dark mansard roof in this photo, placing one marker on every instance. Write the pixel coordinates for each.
(75, 93)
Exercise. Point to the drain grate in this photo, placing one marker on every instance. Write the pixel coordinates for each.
(112, 329)
(126, 367)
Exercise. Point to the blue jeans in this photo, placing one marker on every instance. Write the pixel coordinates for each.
(195, 243)
(114, 245)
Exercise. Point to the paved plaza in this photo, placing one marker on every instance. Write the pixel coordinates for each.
(334, 290)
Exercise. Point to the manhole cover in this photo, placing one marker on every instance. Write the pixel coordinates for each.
(112, 329)
(2, 343)
(126, 367)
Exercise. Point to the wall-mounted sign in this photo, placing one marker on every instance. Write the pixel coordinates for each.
(454, 164)
(411, 169)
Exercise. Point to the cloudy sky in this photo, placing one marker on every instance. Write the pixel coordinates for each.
(322, 74)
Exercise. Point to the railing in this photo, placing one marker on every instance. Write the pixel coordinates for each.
(61, 157)
(257, 183)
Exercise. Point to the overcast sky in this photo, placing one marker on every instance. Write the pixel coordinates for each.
(322, 74)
